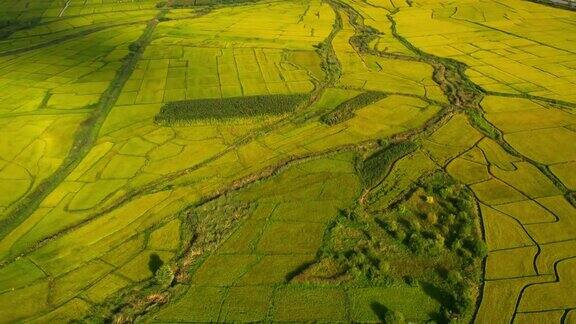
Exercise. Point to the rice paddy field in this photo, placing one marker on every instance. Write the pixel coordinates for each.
(287, 161)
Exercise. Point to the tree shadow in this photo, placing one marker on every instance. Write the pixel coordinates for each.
(380, 310)
(155, 262)
(435, 293)
(299, 270)
(441, 296)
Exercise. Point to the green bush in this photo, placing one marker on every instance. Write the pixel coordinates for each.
(477, 247)
(164, 276)
(135, 46)
(454, 277)
(411, 281)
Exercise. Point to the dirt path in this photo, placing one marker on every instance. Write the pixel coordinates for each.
(64, 9)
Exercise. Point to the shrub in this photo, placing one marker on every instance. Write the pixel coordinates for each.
(432, 217)
(416, 243)
(400, 235)
(477, 247)
(415, 225)
(460, 302)
(135, 46)
(454, 277)
(411, 281)
(384, 267)
(390, 225)
(439, 240)
(456, 245)
(164, 276)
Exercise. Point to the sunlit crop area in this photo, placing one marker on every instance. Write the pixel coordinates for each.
(302, 161)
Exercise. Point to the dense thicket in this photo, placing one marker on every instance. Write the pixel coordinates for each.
(438, 223)
(345, 110)
(431, 240)
(183, 112)
(374, 168)
(192, 3)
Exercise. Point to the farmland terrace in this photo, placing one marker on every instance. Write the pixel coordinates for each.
(299, 160)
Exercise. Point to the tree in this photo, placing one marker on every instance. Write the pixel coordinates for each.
(164, 276)
(479, 248)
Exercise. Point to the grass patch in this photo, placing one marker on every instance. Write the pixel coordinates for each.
(223, 270)
(274, 269)
(536, 144)
(145, 264)
(166, 238)
(467, 171)
(281, 238)
(106, 287)
(187, 111)
(17, 305)
(345, 110)
(66, 313)
(246, 304)
(321, 304)
(200, 304)
(510, 263)
(528, 180)
(402, 176)
(67, 286)
(495, 192)
(478, 119)
(18, 274)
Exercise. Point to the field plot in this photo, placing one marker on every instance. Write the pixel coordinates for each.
(328, 161)
(240, 61)
(248, 276)
(45, 95)
(510, 55)
(50, 9)
(65, 76)
(522, 214)
(369, 72)
(121, 161)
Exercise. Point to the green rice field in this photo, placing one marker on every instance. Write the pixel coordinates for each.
(366, 161)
